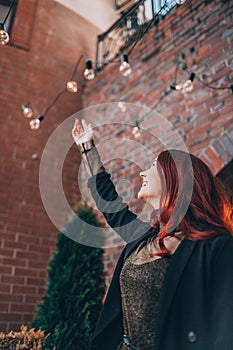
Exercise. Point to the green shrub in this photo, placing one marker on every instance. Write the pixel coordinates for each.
(74, 291)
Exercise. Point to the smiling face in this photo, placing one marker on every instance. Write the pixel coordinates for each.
(151, 189)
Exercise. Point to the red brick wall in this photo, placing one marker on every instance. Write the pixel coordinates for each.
(202, 30)
(46, 41)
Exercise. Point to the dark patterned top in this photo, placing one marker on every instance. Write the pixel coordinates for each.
(140, 286)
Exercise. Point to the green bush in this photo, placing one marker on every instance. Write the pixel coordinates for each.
(74, 291)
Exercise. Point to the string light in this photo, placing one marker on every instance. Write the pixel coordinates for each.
(4, 36)
(35, 123)
(177, 87)
(122, 106)
(136, 130)
(188, 85)
(125, 67)
(34, 156)
(72, 86)
(89, 73)
(27, 111)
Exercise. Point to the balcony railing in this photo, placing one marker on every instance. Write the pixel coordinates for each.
(122, 36)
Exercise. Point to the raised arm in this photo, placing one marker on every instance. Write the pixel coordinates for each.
(116, 212)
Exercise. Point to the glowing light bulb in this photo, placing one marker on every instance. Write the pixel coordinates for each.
(125, 67)
(89, 72)
(34, 156)
(180, 2)
(122, 106)
(72, 86)
(4, 36)
(27, 111)
(188, 85)
(177, 87)
(35, 123)
(136, 130)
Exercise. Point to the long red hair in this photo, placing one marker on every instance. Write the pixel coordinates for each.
(193, 201)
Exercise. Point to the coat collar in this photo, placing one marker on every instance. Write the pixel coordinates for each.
(133, 245)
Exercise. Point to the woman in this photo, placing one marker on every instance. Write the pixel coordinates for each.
(173, 285)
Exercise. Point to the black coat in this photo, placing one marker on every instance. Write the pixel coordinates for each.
(196, 300)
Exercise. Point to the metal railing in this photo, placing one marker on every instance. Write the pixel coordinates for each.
(123, 35)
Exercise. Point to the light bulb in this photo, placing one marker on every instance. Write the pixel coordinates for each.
(188, 85)
(125, 67)
(122, 106)
(4, 36)
(177, 87)
(34, 156)
(180, 2)
(72, 86)
(27, 111)
(35, 123)
(89, 72)
(136, 130)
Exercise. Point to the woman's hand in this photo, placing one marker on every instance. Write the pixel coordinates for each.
(82, 132)
(84, 138)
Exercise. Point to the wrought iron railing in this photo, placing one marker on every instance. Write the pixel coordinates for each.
(123, 35)
(7, 13)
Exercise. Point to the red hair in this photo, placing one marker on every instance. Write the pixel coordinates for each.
(193, 201)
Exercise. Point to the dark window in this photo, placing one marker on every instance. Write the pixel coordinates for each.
(4, 8)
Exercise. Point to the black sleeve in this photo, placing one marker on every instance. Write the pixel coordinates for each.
(222, 301)
(117, 213)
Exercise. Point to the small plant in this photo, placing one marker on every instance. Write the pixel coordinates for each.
(23, 340)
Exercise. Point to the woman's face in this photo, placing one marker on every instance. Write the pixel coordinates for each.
(151, 189)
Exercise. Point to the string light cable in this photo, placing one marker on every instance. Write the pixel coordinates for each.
(230, 87)
(181, 63)
(125, 69)
(89, 73)
(71, 86)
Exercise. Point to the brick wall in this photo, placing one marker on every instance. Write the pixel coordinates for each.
(46, 41)
(202, 30)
